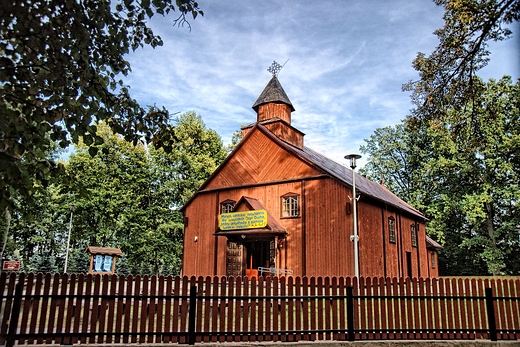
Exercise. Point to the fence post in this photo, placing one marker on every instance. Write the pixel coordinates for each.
(350, 313)
(491, 315)
(191, 322)
(15, 314)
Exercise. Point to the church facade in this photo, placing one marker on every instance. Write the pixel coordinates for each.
(303, 204)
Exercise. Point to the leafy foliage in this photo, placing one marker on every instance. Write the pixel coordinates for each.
(124, 196)
(60, 73)
(448, 74)
(466, 178)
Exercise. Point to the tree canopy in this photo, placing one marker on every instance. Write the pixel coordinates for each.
(124, 196)
(61, 64)
(448, 75)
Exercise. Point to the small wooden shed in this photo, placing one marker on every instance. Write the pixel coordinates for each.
(103, 259)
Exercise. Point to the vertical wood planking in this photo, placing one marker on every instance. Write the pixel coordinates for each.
(299, 303)
(423, 304)
(305, 313)
(390, 313)
(409, 308)
(312, 325)
(283, 309)
(268, 308)
(444, 309)
(396, 314)
(469, 303)
(508, 293)
(45, 308)
(95, 309)
(133, 317)
(254, 309)
(319, 294)
(183, 327)
(177, 291)
(239, 307)
(358, 322)
(454, 323)
(499, 308)
(516, 306)
(247, 309)
(35, 307)
(129, 303)
(169, 292)
(275, 301)
(417, 326)
(207, 308)
(222, 308)
(160, 316)
(200, 307)
(230, 303)
(112, 317)
(464, 308)
(402, 309)
(430, 307)
(26, 307)
(382, 315)
(103, 305)
(10, 283)
(290, 310)
(70, 308)
(335, 306)
(370, 303)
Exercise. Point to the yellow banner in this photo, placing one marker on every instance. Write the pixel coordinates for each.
(243, 220)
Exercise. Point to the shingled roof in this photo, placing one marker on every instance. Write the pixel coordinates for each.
(273, 92)
(364, 186)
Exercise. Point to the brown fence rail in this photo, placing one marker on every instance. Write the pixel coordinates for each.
(37, 308)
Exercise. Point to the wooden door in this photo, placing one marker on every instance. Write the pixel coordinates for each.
(235, 259)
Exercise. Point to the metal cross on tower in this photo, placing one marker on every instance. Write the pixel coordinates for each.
(275, 68)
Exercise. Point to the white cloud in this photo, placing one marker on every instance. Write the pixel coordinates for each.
(347, 62)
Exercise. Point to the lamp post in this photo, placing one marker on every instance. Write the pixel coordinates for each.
(352, 158)
(68, 239)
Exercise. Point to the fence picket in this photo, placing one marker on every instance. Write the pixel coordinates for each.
(102, 309)
(238, 303)
(515, 304)
(283, 310)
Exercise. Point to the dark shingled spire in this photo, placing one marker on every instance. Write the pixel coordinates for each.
(273, 92)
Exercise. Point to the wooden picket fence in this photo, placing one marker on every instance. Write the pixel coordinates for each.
(74, 309)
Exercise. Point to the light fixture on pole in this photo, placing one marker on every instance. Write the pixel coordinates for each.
(68, 239)
(355, 238)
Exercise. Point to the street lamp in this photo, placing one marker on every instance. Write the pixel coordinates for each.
(355, 238)
(68, 239)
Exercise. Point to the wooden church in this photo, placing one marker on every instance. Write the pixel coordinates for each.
(276, 206)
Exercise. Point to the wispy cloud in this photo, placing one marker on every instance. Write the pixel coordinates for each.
(347, 63)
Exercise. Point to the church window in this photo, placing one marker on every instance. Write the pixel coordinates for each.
(290, 205)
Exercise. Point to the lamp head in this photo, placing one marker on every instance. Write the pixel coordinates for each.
(352, 158)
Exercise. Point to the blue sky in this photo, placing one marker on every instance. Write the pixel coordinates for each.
(346, 63)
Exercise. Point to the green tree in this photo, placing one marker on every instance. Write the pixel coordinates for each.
(194, 152)
(466, 179)
(60, 73)
(447, 75)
